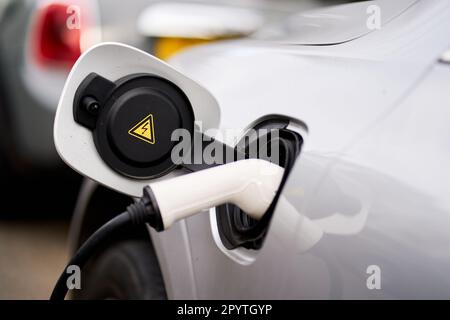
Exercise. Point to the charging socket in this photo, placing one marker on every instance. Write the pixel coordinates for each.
(236, 228)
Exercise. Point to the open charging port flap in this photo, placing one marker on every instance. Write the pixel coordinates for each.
(236, 228)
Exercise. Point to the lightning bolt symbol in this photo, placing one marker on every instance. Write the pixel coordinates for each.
(144, 128)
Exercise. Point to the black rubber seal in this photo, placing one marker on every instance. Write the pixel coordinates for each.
(155, 219)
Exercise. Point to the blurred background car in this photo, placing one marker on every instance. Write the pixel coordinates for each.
(39, 43)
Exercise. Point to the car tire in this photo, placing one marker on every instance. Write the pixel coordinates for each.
(127, 270)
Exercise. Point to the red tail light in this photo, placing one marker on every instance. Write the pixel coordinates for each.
(54, 43)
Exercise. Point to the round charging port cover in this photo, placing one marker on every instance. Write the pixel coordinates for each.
(135, 124)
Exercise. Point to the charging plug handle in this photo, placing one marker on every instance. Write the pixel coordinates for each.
(250, 184)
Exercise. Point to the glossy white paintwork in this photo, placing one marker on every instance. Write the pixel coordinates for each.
(372, 184)
(330, 25)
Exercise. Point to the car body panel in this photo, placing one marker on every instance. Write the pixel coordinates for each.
(373, 174)
(331, 25)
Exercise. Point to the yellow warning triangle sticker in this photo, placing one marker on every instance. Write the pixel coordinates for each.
(144, 130)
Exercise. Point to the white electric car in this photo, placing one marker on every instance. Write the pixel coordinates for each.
(363, 91)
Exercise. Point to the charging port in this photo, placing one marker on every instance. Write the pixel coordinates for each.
(275, 143)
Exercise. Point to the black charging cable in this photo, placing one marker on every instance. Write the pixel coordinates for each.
(137, 214)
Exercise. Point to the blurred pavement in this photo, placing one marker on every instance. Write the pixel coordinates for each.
(32, 255)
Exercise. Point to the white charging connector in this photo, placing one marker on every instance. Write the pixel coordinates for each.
(249, 184)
